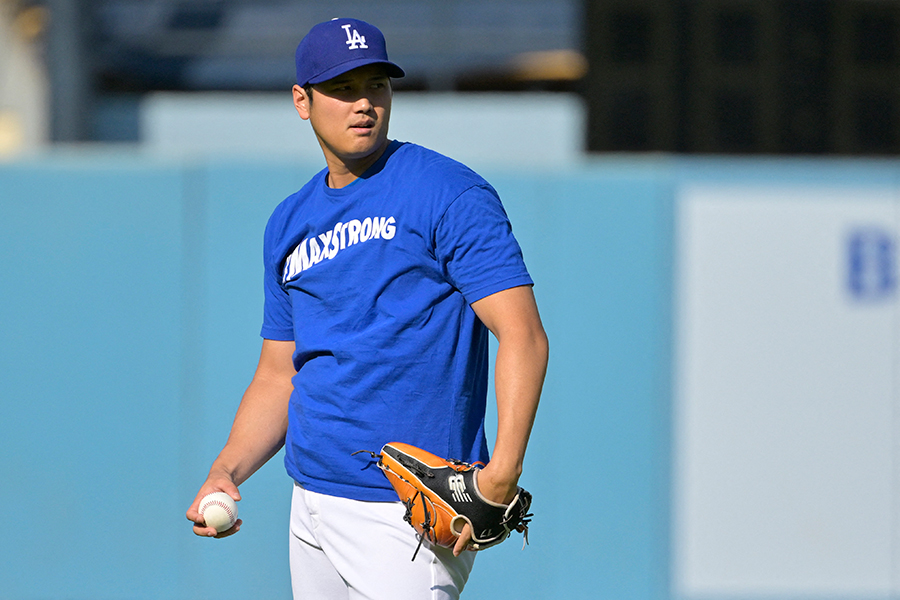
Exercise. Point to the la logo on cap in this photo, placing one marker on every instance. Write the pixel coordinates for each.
(322, 55)
(355, 40)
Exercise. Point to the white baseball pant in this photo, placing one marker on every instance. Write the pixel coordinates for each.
(343, 549)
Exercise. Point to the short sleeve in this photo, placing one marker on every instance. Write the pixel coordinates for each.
(278, 321)
(475, 246)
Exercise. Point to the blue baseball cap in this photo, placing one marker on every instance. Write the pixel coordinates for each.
(339, 45)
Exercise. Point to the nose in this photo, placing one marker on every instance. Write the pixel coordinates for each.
(363, 104)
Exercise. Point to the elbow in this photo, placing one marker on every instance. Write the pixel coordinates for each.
(544, 345)
(539, 344)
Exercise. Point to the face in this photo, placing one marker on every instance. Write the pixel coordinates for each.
(349, 115)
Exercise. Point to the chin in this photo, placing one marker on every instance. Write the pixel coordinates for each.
(367, 149)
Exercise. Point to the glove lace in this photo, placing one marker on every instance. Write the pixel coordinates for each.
(426, 526)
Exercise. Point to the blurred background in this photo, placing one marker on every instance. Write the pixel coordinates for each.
(690, 76)
(707, 193)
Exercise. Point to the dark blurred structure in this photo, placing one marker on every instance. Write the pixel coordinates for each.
(104, 54)
(744, 76)
(688, 76)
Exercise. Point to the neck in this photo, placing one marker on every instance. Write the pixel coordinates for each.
(343, 172)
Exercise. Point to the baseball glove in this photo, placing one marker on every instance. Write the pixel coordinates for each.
(441, 496)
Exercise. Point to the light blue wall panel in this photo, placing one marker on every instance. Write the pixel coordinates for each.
(232, 204)
(597, 244)
(132, 303)
(90, 324)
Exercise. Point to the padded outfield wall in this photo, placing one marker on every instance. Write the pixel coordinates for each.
(718, 418)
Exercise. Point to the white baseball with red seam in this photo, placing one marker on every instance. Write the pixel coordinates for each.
(219, 510)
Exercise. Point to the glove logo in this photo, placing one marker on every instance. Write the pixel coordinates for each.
(458, 487)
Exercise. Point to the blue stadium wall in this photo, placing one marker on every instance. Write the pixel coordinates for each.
(131, 307)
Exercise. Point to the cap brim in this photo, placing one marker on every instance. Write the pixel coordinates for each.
(392, 69)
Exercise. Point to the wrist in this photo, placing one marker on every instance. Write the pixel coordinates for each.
(505, 468)
(221, 470)
(503, 474)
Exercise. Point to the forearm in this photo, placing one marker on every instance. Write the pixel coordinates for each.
(519, 376)
(522, 353)
(258, 431)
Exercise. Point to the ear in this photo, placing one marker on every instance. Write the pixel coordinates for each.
(301, 102)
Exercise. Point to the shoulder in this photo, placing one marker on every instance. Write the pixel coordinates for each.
(282, 216)
(426, 164)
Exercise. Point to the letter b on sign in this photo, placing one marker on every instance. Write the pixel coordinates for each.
(871, 264)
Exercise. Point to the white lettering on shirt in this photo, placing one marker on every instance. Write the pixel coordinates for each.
(325, 246)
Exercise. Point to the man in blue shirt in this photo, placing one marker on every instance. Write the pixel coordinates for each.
(384, 276)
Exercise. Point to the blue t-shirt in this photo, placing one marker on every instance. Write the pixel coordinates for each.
(373, 283)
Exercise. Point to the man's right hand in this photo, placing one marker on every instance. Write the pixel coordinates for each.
(215, 483)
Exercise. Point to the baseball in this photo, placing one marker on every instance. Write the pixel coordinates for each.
(219, 511)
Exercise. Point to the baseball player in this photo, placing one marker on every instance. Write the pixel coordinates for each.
(384, 276)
